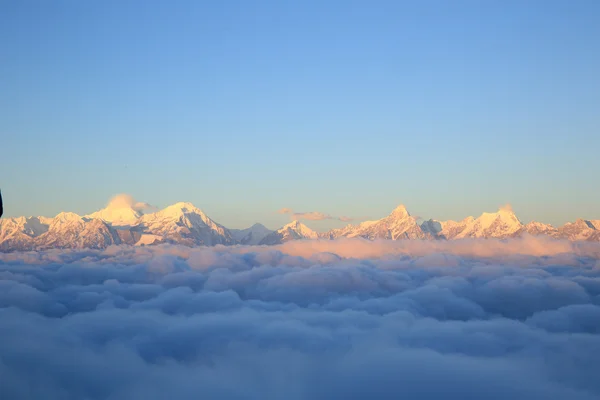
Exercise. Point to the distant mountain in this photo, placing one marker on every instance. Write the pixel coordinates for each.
(117, 215)
(19, 233)
(581, 230)
(292, 231)
(69, 230)
(251, 236)
(538, 228)
(501, 224)
(183, 223)
(398, 225)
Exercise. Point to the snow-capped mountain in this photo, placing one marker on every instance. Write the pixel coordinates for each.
(122, 222)
(251, 236)
(539, 228)
(501, 224)
(19, 233)
(185, 224)
(69, 230)
(181, 223)
(295, 230)
(117, 215)
(581, 230)
(398, 225)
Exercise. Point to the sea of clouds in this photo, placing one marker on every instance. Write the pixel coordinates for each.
(344, 319)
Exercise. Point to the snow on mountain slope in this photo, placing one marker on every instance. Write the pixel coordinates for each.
(122, 223)
(69, 230)
(538, 228)
(501, 224)
(446, 229)
(117, 215)
(32, 226)
(18, 233)
(398, 225)
(579, 230)
(295, 230)
(251, 236)
(118, 223)
(148, 239)
(185, 224)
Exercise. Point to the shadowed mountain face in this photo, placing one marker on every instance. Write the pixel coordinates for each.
(251, 236)
(184, 223)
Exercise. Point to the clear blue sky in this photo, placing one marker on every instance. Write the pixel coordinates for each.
(344, 107)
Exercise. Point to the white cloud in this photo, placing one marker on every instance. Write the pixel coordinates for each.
(350, 318)
(127, 201)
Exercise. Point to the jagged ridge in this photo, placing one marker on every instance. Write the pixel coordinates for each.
(184, 223)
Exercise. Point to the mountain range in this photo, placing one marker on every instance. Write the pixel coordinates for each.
(183, 223)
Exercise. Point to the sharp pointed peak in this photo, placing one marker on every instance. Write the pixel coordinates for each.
(294, 223)
(400, 211)
(258, 225)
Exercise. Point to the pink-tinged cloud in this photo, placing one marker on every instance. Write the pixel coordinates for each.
(312, 215)
(127, 201)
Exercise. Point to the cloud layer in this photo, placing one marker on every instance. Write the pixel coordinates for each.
(353, 319)
(312, 215)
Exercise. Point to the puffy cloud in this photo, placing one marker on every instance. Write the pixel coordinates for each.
(304, 320)
(127, 201)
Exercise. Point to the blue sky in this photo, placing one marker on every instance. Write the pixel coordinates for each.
(342, 107)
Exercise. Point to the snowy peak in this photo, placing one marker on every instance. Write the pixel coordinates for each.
(117, 216)
(507, 214)
(123, 221)
(501, 224)
(506, 217)
(295, 230)
(581, 229)
(187, 224)
(181, 208)
(121, 210)
(251, 236)
(65, 218)
(400, 212)
(184, 213)
(300, 229)
(295, 224)
(538, 228)
(398, 225)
